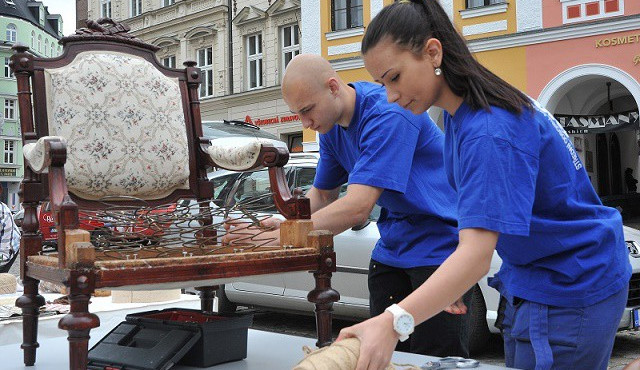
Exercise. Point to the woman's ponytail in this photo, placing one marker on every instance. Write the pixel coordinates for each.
(411, 23)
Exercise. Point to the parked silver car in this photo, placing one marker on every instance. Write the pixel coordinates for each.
(228, 129)
(288, 292)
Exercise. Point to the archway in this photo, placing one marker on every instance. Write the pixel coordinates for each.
(602, 99)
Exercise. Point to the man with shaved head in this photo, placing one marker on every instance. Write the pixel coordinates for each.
(393, 158)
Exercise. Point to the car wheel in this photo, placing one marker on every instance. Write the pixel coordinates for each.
(224, 304)
(479, 334)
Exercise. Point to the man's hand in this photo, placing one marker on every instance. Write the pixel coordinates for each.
(457, 308)
(240, 229)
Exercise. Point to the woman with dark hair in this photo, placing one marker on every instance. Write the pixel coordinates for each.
(522, 190)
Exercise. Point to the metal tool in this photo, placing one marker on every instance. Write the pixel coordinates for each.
(452, 362)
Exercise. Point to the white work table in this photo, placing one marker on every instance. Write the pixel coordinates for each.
(265, 350)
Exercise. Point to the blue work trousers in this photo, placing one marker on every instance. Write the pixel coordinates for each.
(538, 336)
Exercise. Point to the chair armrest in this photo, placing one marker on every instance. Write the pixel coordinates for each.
(243, 153)
(37, 154)
(49, 154)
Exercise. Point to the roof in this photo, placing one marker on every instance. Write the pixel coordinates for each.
(21, 10)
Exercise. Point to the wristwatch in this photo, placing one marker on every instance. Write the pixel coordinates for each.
(403, 322)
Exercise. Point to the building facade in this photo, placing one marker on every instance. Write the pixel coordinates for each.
(29, 23)
(579, 58)
(242, 47)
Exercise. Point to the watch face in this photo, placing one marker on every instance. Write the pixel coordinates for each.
(405, 324)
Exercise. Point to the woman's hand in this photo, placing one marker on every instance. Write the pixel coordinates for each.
(377, 341)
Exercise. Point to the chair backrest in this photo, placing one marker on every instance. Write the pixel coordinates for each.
(124, 125)
(131, 125)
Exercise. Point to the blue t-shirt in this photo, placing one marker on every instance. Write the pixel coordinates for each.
(387, 147)
(519, 175)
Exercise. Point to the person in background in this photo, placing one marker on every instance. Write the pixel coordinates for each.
(521, 190)
(630, 180)
(9, 238)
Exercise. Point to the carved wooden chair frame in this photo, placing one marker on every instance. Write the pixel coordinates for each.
(75, 266)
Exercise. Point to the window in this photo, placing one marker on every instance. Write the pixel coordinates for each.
(7, 71)
(9, 148)
(168, 2)
(136, 8)
(169, 61)
(346, 14)
(33, 40)
(105, 8)
(222, 186)
(294, 142)
(253, 191)
(586, 10)
(12, 33)
(479, 3)
(290, 44)
(254, 61)
(611, 6)
(9, 109)
(46, 46)
(52, 49)
(205, 62)
(39, 43)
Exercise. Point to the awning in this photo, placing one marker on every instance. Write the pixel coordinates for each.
(581, 124)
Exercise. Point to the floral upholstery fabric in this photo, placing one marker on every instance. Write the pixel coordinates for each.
(36, 155)
(124, 124)
(236, 154)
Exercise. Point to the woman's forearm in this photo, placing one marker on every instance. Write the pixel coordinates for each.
(468, 264)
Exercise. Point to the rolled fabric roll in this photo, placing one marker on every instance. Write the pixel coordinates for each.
(342, 355)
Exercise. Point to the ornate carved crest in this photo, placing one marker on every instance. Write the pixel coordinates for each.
(106, 29)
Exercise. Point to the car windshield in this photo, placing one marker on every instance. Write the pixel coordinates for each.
(220, 129)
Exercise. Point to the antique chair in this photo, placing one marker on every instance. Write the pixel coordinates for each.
(107, 128)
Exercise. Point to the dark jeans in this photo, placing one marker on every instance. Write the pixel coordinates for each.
(443, 335)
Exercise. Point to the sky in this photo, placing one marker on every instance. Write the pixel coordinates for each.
(67, 9)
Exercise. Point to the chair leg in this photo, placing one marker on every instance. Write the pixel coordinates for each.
(206, 297)
(323, 296)
(30, 303)
(78, 322)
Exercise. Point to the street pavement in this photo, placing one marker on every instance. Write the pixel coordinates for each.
(626, 348)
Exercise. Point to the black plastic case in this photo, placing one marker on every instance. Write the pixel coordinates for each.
(157, 340)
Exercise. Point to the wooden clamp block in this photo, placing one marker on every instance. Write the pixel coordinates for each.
(79, 252)
(294, 233)
(321, 240)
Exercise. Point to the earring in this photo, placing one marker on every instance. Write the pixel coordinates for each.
(438, 71)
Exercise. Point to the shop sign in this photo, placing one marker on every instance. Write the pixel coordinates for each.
(618, 40)
(272, 120)
(580, 124)
(8, 172)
